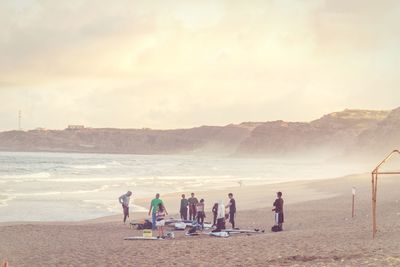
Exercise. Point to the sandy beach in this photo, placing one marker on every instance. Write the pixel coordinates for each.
(318, 231)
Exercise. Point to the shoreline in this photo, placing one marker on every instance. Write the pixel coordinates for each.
(303, 188)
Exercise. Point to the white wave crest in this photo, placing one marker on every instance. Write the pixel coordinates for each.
(89, 167)
(38, 175)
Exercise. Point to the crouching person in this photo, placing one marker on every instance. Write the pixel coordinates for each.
(220, 217)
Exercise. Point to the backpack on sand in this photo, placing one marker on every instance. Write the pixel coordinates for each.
(192, 230)
(146, 225)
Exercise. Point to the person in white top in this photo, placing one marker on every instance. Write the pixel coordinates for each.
(200, 213)
(220, 216)
(124, 201)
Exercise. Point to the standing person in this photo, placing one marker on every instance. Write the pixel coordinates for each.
(155, 202)
(215, 212)
(184, 207)
(160, 220)
(220, 217)
(200, 213)
(124, 201)
(192, 207)
(232, 209)
(278, 204)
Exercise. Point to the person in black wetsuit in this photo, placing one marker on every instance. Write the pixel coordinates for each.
(232, 209)
(184, 207)
(215, 213)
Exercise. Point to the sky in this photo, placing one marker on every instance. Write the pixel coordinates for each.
(178, 64)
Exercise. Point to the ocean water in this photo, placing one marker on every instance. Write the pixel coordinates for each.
(71, 187)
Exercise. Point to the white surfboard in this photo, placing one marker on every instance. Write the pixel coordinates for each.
(192, 234)
(180, 226)
(207, 225)
(242, 231)
(219, 234)
(142, 238)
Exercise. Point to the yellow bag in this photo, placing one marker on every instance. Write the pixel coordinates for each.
(147, 233)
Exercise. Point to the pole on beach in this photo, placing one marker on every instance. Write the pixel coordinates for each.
(374, 182)
(353, 191)
(374, 188)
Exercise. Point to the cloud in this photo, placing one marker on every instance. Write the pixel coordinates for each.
(185, 63)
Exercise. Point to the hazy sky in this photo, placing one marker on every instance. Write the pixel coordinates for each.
(170, 64)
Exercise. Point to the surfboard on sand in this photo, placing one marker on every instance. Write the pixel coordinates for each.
(172, 221)
(207, 225)
(219, 234)
(180, 226)
(142, 238)
(239, 231)
(192, 234)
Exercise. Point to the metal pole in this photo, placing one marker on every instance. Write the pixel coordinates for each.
(373, 206)
(352, 208)
(374, 181)
(376, 191)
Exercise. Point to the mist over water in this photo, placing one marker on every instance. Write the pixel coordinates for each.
(70, 187)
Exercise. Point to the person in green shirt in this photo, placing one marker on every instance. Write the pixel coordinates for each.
(155, 202)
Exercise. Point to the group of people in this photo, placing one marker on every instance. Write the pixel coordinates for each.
(197, 213)
(157, 211)
(196, 210)
(193, 205)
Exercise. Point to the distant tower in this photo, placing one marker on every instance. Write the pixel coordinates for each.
(19, 120)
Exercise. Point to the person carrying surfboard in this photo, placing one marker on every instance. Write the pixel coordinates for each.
(124, 201)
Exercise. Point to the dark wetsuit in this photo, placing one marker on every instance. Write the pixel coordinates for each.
(215, 212)
(278, 204)
(232, 212)
(184, 208)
